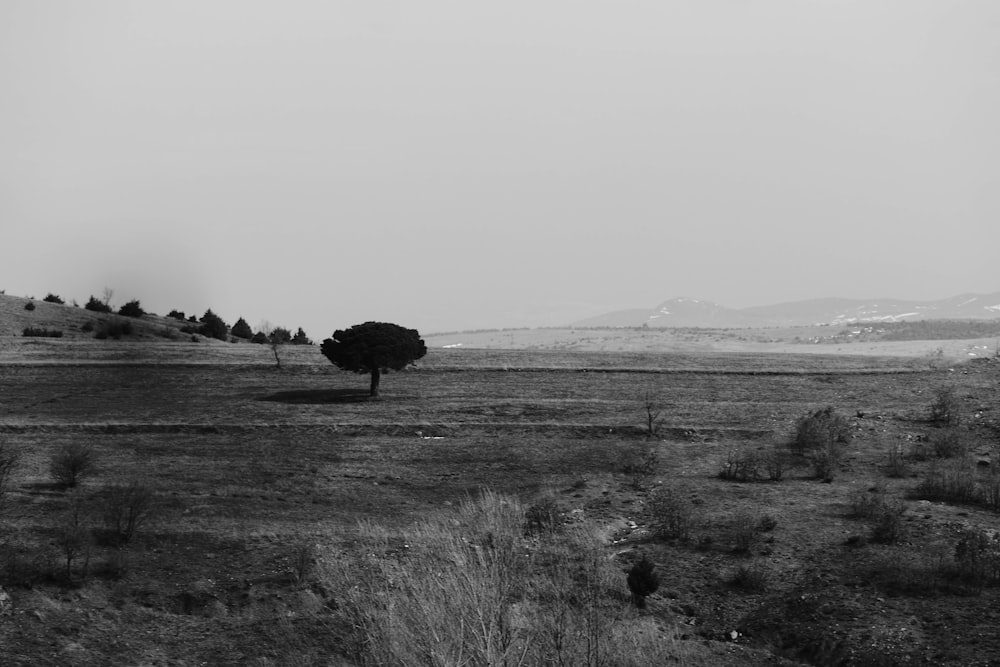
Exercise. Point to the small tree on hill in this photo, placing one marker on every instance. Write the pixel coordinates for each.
(241, 329)
(213, 326)
(177, 315)
(53, 298)
(260, 338)
(300, 338)
(374, 347)
(276, 338)
(132, 309)
(96, 305)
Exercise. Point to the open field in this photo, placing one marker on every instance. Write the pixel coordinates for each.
(249, 464)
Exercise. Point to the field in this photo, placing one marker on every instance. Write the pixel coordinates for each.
(251, 467)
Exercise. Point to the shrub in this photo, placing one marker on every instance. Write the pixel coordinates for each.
(87, 326)
(29, 306)
(260, 337)
(652, 413)
(945, 408)
(977, 556)
(241, 329)
(746, 526)
(742, 464)
(774, 464)
(97, 306)
(949, 443)
(867, 504)
(819, 430)
(751, 577)
(73, 536)
(72, 463)
(826, 460)
(176, 315)
(53, 298)
(114, 328)
(641, 466)
(132, 309)
(670, 512)
(642, 581)
(887, 525)
(954, 481)
(991, 487)
(542, 517)
(302, 561)
(895, 465)
(9, 459)
(213, 326)
(126, 507)
(35, 332)
(300, 338)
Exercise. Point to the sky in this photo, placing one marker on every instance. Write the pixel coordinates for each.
(451, 165)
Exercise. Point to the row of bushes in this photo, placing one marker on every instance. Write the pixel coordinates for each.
(36, 332)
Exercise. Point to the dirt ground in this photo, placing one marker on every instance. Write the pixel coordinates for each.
(248, 462)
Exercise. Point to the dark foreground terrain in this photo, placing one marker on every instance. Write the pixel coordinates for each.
(268, 487)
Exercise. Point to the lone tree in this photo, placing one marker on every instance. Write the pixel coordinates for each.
(374, 347)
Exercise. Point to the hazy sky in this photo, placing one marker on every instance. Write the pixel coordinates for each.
(464, 164)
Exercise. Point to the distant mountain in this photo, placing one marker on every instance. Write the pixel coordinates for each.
(685, 312)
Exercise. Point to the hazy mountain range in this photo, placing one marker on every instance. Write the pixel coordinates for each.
(684, 312)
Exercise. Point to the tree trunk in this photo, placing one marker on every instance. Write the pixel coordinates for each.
(376, 376)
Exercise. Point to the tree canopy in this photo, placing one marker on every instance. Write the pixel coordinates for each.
(374, 347)
(213, 326)
(241, 329)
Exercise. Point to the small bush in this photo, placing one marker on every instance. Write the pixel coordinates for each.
(260, 338)
(93, 304)
(867, 504)
(887, 526)
(302, 561)
(895, 465)
(750, 577)
(945, 408)
(114, 328)
(35, 332)
(87, 326)
(72, 463)
(126, 507)
(132, 309)
(774, 465)
(542, 517)
(642, 581)
(977, 556)
(53, 298)
(176, 315)
(73, 536)
(991, 487)
(954, 482)
(826, 460)
(670, 512)
(641, 466)
(949, 443)
(9, 459)
(742, 464)
(29, 306)
(819, 430)
(746, 526)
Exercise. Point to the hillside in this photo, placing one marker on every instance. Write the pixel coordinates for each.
(685, 312)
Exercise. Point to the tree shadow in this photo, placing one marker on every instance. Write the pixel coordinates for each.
(318, 396)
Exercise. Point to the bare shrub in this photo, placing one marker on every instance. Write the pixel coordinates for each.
(742, 464)
(9, 460)
(302, 561)
(746, 528)
(543, 516)
(126, 507)
(868, 504)
(826, 460)
(641, 466)
(774, 464)
(887, 525)
(670, 512)
(945, 410)
(950, 443)
(895, 461)
(991, 487)
(977, 556)
(750, 577)
(72, 463)
(653, 414)
(953, 481)
(819, 430)
(73, 536)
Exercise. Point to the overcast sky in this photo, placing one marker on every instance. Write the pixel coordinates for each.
(452, 165)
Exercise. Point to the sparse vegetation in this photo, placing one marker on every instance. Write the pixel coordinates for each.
(820, 431)
(126, 507)
(752, 577)
(950, 443)
(114, 328)
(9, 460)
(640, 466)
(653, 414)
